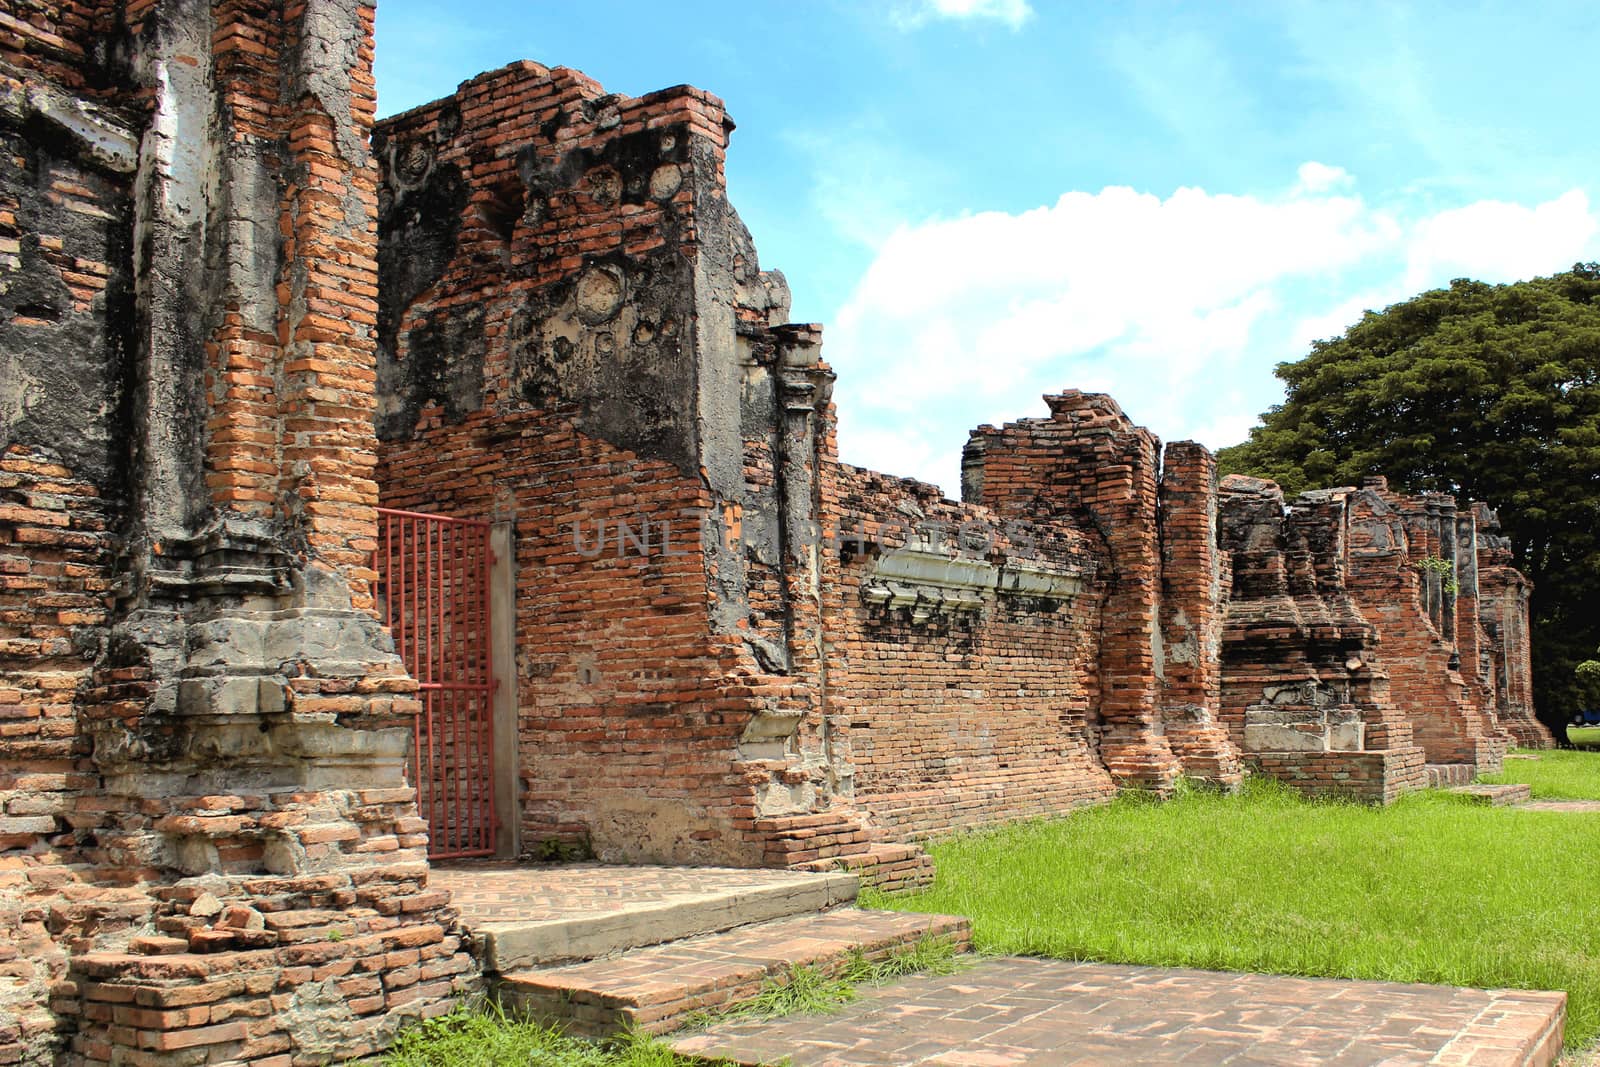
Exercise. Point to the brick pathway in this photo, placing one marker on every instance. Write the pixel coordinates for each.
(492, 891)
(654, 988)
(1013, 1011)
(1559, 805)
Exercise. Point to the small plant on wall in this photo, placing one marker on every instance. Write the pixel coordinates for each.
(1444, 568)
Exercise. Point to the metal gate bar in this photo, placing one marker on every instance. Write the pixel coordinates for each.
(433, 592)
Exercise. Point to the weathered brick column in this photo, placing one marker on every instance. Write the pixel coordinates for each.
(1089, 463)
(1196, 574)
(220, 800)
(1413, 604)
(1304, 690)
(1503, 593)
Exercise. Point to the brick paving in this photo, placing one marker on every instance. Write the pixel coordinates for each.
(1559, 805)
(653, 988)
(495, 891)
(1498, 796)
(1012, 1011)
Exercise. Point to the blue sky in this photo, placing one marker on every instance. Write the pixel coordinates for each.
(987, 200)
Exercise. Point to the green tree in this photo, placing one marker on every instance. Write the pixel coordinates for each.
(1490, 392)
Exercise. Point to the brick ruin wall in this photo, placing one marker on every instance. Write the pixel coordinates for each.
(208, 849)
(857, 662)
(1157, 684)
(1416, 606)
(961, 658)
(1364, 628)
(229, 329)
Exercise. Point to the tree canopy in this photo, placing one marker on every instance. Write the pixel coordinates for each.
(1490, 392)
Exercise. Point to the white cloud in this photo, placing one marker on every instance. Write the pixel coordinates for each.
(1011, 12)
(1179, 306)
(1319, 177)
(1496, 241)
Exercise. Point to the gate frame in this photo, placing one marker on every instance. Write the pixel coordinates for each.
(506, 700)
(486, 693)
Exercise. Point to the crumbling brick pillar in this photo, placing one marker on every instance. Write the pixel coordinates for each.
(1404, 576)
(1304, 691)
(1503, 594)
(1475, 665)
(1195, 577)
(1090, 463)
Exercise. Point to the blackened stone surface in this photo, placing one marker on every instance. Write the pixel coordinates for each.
(62, 349)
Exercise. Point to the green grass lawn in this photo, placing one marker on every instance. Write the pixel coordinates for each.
(1431, 889)
(1559, 774)
(488, 1038)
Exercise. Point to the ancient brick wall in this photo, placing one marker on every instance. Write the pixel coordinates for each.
(577, 339)
(65, 311)
(1363, 620)
(55, 542)
(960, 658)
(569, 305)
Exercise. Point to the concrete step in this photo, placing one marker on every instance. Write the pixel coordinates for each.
(632, 908)
(1497, 795)
(654, 988)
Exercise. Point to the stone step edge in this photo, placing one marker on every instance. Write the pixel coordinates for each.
(591, 1013)
(503, 947)
(1521, 1028)
(886, 866)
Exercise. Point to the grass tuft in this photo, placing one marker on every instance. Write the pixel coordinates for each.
(803, 990)
(1430, 889)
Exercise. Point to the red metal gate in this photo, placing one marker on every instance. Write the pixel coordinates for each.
(433, 592)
